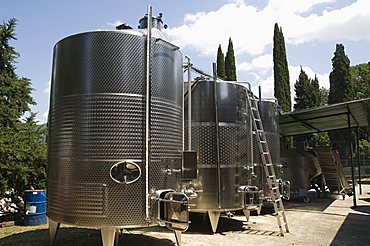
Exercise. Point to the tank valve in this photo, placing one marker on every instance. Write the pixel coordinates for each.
(190, 192)
(170, 171)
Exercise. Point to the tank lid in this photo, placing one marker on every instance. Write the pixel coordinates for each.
(157, 22)
(123, 26)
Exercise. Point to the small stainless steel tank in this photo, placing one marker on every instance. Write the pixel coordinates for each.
(224, 148)
(97, 128)
(269, 112)
(301, 168)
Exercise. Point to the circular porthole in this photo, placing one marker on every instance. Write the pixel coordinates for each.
(125, 172)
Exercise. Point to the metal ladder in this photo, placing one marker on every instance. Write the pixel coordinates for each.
(267, 164)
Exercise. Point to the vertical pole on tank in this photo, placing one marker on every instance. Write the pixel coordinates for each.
(147, 110)
(259, 93)
(189, 103)
(218, 159)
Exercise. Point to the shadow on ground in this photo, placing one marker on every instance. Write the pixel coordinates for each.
(365, 199)
(200, 224)
(79, 237)
(354, 231)
(315, 204)
(362, 209)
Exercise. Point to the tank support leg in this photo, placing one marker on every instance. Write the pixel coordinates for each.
(116, 241)
(247, 213)
(178, 237)
(214, 216)
(107, 235)
(53, 230)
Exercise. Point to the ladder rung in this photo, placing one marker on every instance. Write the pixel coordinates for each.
(279, 213)
(271, 176)
(278, 200)
(265, 153)
(269, 164)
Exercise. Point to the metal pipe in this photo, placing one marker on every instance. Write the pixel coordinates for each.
(251, 144)
(183, 110)
(218, 152)
(351, 161)
(147, 110)
(259, 93)
(251, 136)
(189, 103)
(197, 70)
(358, 158)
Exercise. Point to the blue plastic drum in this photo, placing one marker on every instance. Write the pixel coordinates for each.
(35, 207)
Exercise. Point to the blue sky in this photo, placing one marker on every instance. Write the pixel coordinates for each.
(311, 29)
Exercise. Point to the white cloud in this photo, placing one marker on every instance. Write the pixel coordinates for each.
(47, 89)
(43, 118)
(260, 65)
(295, 70)
(252, 29)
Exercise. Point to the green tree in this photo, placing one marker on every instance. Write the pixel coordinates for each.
(361, 84)
(324, 96)
(340, 78)
(308, 95)
(230, 67)
(221, 64)
(303, 97)
(22, 148)
(315, 92)
(360, 75)
(281, 71)
(340, 91)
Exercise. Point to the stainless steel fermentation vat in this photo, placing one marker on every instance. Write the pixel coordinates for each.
(221, 134)
(97, 174)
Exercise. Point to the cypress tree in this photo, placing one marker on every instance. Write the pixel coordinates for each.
(303, 92)
(340, 91)
(316, 92)
(281, 71)
(230, 68)
(308, 95)
(340, 78)
(221, 64)
(22, 149)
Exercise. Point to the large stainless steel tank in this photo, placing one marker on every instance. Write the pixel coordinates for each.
(97, 121)
(219, 176)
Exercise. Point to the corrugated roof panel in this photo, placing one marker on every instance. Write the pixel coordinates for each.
(324, 118)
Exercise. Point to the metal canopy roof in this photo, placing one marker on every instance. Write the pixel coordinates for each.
(325, 118)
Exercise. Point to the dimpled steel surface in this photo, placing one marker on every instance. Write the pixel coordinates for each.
(270, 119)
(97, 118)
(235, 142)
